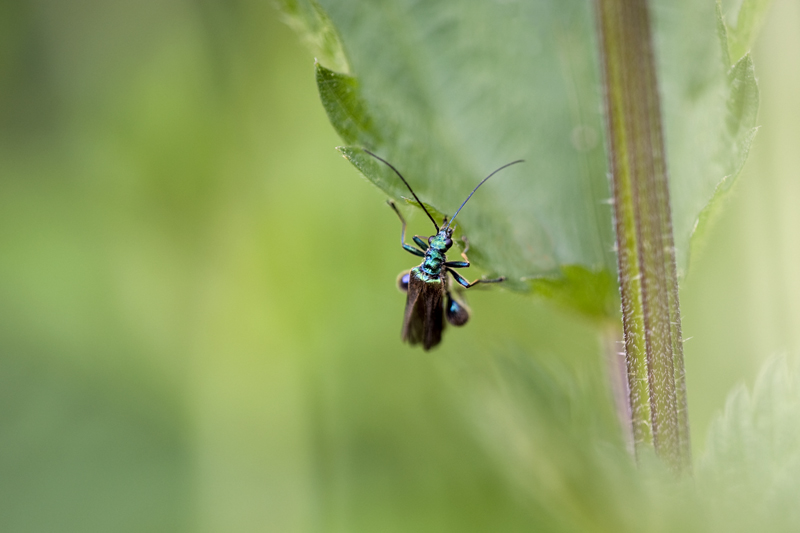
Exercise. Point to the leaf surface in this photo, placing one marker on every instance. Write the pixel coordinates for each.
(450, 91)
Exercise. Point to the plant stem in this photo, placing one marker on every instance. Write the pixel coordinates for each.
(645, 251)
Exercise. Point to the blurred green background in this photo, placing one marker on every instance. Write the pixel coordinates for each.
(199, 325)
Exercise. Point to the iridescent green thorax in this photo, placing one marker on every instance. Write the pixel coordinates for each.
(436, 255)
(424, 276)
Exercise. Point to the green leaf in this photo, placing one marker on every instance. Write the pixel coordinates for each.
(307, 19)
(449, 91)
(722, 34)
(744, 24)
(346, 111)
(741, 129)
(752, 460)
(591, 293)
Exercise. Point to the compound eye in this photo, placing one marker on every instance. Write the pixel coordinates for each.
(430, 239)
(448, 242)
(402, 281)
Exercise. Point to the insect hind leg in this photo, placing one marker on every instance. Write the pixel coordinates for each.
(466, 284)
(455, 311)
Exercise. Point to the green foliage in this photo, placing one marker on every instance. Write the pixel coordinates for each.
(345, 108)
(522, 411)
(752, 461)
(447, 92)
(744, 22)
(741, 114)
(313, 24)
(200, 329)
(591, 293)
(746, 481)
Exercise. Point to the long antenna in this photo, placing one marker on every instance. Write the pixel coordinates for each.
(481, 183)
(409, 186)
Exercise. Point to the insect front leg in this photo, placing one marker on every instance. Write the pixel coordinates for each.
(465, 262)
(466, 284)
(406, 247)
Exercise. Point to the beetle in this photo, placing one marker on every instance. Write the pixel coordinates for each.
(429, 301)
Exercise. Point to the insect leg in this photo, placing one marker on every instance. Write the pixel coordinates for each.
(466, 248)
(406, 247)
(403, 280)
(457, 264)
(421, 242)
(464, 283)
(455, 312)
